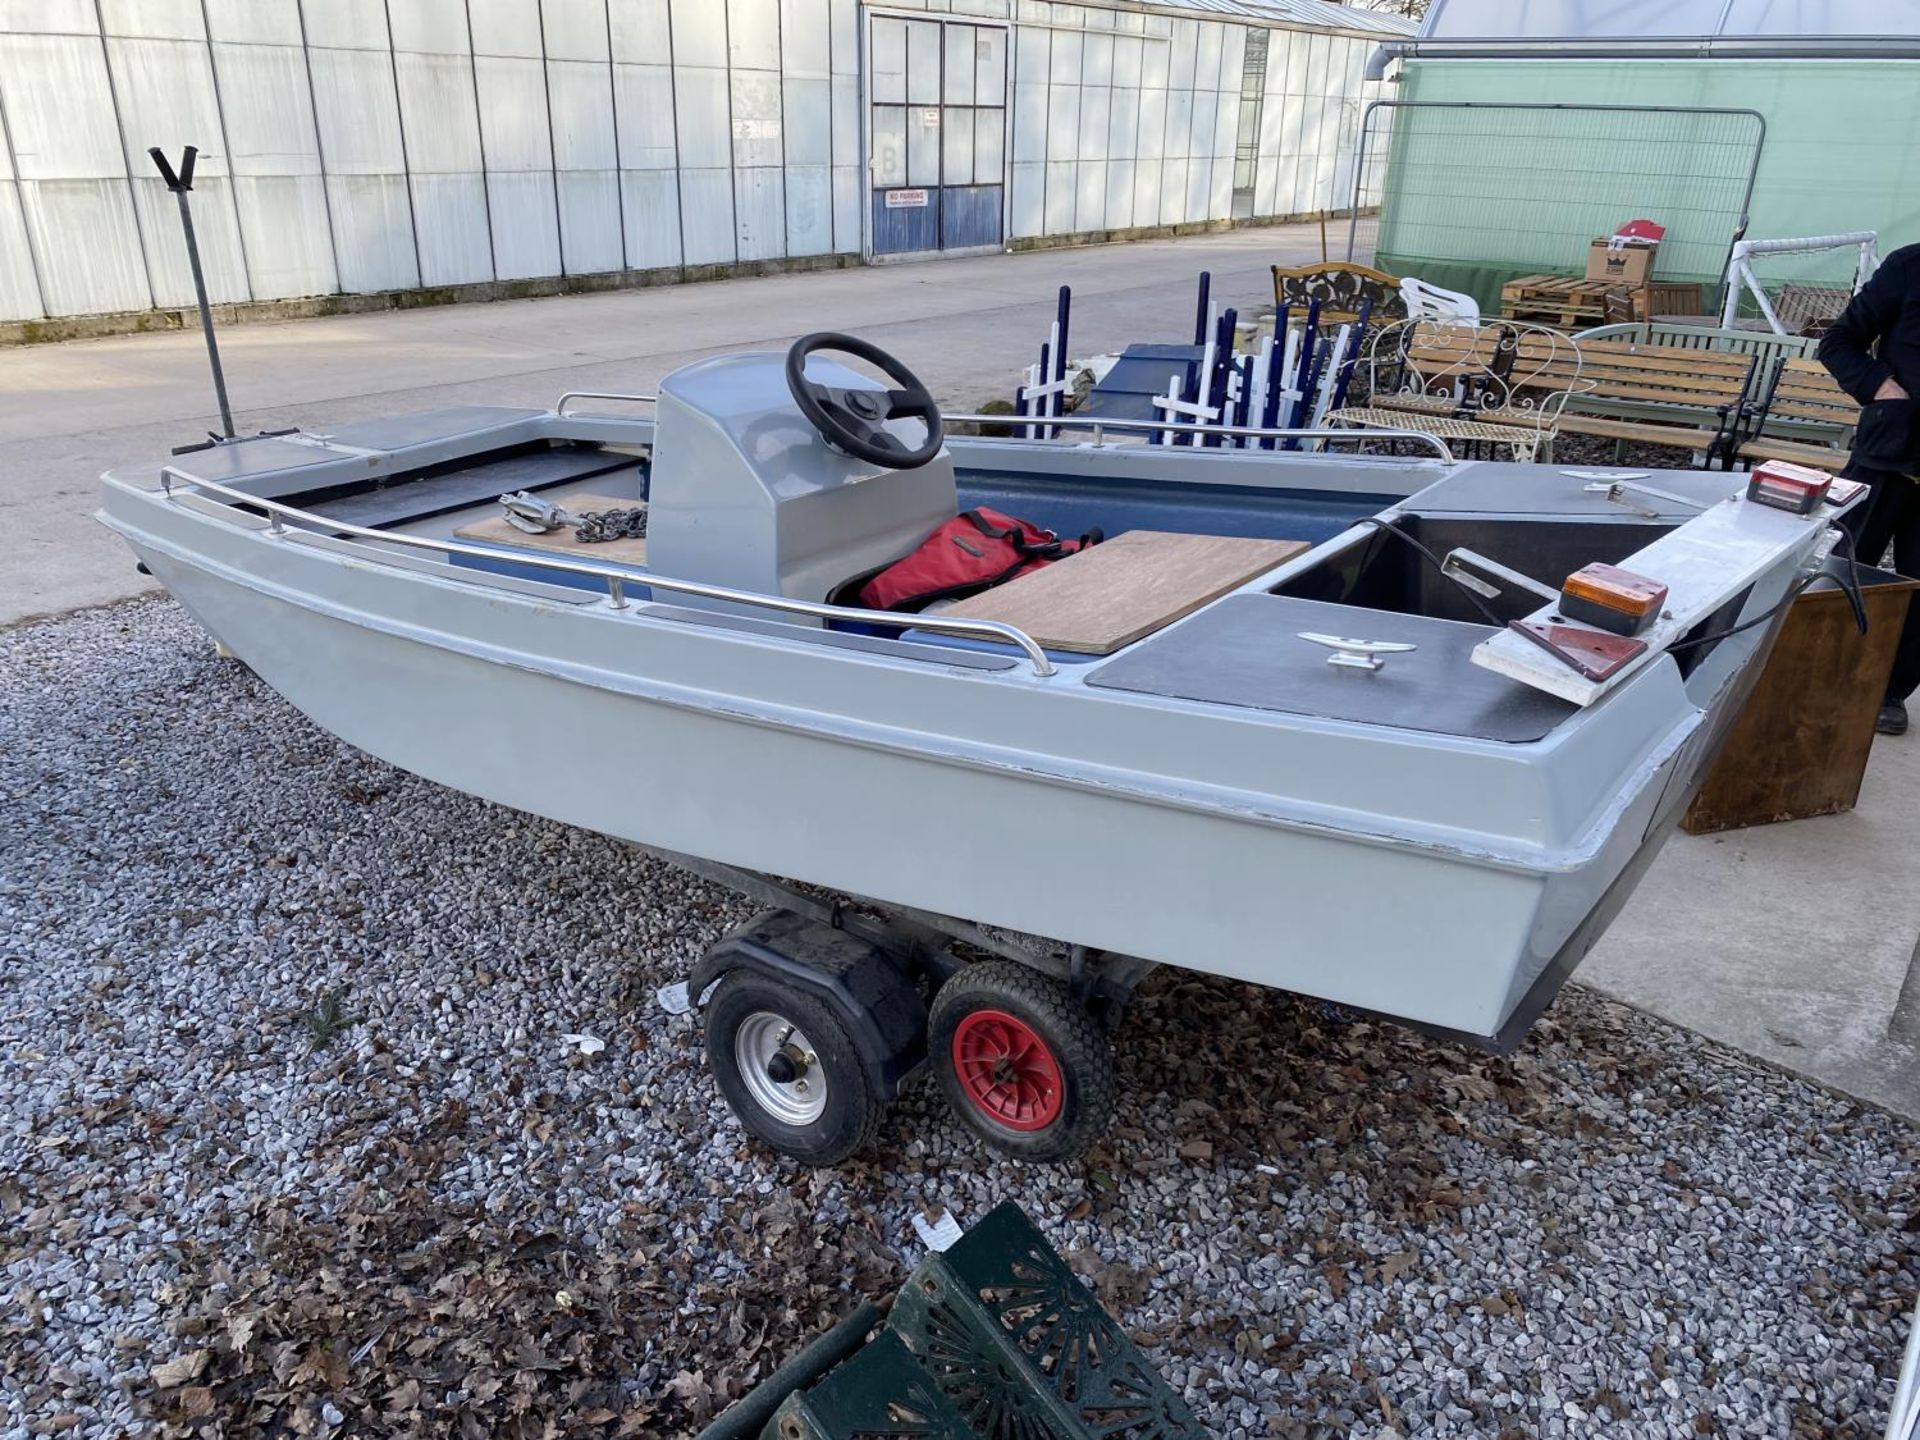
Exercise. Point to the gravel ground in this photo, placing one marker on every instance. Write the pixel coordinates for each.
(290, 1141)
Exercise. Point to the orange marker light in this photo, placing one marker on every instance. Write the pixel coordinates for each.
(1785, 486)
(1612, 598)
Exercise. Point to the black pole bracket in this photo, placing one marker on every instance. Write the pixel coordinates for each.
(184, 179)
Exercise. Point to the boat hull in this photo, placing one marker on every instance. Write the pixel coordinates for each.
(666, 752)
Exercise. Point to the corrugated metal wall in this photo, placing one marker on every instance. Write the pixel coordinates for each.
(369, 145)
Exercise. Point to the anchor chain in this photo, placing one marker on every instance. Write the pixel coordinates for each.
(594, 526)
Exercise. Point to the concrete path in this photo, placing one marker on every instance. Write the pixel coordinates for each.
(1791, 942)
(966, 327)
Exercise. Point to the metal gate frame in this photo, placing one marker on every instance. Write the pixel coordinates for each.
(1746, 198)
(867, 14)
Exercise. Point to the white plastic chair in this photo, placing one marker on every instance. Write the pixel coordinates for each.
(1430, 302)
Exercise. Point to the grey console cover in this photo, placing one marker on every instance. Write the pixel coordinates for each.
(1246, 650)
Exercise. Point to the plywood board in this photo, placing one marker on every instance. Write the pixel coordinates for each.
(497, 531)
(1801, 743)
(1094, 602)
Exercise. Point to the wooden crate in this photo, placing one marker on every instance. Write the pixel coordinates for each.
(1564, 301)
(1799, 746)
(1670, 297)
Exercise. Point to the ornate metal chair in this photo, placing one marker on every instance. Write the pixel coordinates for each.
(1497, 387)
(1340, 287)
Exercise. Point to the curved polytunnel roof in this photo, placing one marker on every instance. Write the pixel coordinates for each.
(1698, 21)
(1318, 14)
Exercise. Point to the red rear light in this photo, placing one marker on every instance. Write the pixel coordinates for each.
(1612, 598)
(1784, 486)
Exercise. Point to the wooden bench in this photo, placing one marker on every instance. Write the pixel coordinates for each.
(1803, 416)
(1340, 286)
(1690, 400)
(1653, 394)
(1702, 337)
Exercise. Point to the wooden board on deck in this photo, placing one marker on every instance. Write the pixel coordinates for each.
(1094, 602)
(498, 531)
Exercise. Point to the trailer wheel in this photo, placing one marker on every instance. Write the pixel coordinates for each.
(1025, 1067)
(787, 1067)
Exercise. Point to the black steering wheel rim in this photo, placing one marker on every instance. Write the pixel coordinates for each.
(853, 420)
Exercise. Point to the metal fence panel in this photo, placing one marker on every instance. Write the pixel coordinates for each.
(1518, 187)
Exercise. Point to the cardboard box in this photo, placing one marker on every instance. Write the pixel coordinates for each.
(1624, 265)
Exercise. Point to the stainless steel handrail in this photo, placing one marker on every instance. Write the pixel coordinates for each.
(616, 581)
(1237, 432)
(560, 405)
(1101, 426)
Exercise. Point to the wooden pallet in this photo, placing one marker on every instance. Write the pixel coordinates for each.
(1567, 302)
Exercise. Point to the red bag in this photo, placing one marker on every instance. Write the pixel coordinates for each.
(974, 551)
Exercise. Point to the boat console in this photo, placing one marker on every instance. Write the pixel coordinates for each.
(784, 478)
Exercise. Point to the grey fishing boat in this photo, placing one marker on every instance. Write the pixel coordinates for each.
(1366, 758)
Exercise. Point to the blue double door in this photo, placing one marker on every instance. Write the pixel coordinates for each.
(938, 91)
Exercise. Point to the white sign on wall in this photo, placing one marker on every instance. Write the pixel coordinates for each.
(906, 199)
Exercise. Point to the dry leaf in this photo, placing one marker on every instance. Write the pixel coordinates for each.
(1394, 1266)
(1197, 1150)
(179, 1370)
(1335, 1277)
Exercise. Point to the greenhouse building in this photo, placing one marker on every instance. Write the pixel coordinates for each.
(486, 147)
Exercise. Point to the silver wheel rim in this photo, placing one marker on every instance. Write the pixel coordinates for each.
(762, 1036)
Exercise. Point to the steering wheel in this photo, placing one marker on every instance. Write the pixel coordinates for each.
(853, 420)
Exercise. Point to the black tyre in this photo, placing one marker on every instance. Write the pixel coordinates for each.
(788, 1069)
(1025, 1067)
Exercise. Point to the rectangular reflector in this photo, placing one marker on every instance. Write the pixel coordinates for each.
(1594, 653)
(1612, 598)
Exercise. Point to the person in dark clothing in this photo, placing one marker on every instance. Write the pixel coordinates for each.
(1873, 351)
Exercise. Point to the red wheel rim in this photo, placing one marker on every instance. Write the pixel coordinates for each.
(1007, 1071)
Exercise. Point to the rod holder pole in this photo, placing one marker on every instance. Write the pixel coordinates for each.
(181, 184)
